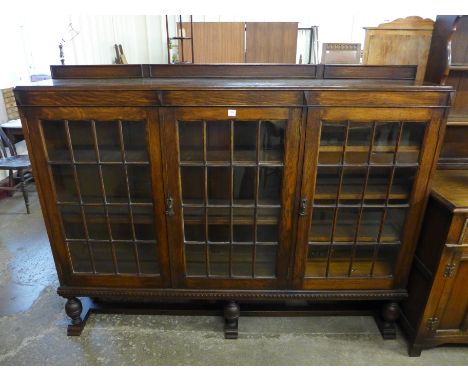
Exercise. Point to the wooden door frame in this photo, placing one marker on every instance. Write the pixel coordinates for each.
(418, 199)
(32, 128)
(172, 186)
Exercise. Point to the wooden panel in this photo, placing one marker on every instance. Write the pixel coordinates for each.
(361, 98)
(87, 98)
(455, 147)
(271, 42)
(459, 81)
(377, 72)
(403, 41)
(460, 42)
(97, 71)
(216, 42)
(228, 71)
(223, 97)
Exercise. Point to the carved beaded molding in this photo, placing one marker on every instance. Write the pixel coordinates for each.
(208, 294)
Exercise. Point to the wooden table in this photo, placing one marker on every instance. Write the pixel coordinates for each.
(13, 130)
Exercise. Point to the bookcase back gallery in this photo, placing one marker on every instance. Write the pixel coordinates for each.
(233, 182)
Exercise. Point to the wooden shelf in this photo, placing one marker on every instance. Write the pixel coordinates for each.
(226, 220)
(457, 120)
(354, 192)
(345, 233)
(222, 157)
(106, 156)
(365, 148)
(339, 268)
(462, 67)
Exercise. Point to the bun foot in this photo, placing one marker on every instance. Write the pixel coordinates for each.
(231, 317)
(386, 321)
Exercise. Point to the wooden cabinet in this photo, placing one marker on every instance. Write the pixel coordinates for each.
(400, 42)
(264, 183)
(436, 311)
(448, 64)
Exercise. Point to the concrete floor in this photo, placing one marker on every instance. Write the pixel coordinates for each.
(33, 323)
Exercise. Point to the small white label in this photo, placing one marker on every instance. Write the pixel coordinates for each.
(232, 112)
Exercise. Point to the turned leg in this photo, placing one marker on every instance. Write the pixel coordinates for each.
(23, 190)
(386, 321)
(73, 308)
(231, 317)
(415, 350)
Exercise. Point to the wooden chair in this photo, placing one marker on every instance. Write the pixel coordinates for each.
(12, 162)
(341, 53)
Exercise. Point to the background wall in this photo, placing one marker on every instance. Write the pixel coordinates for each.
(30, 43)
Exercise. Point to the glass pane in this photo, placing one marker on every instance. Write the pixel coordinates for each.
(386, 257)
(270, 182)
(219, 180)
(370, 224)
(346, 224)
(362, 263)
(218, 225)
(134, 137)
(102, 257)
(359, 135)
(125, 255)
(244, 185)
(82, 141)
(218, 141)
(354, 180)
(340, 257)
(333, 134)
(64, 183)
(385, 139)
(144, 223)
(56, 140)
(321, 226)
(96, 222)
(80, 258)
(193, 181)
(242, 260)
(191, 140)
(243, 228)
(403, 183)
(317, 261)
(194, 224)
(149, 258)
(90, 185)
(195, 260)
(268, 224)
(265, 260)
(327, 182)
(219, 259)
(72, 222)
(272, 140)
(413, 134)
(377, 185)
(114, 183)
(139, 182)
(245, 141)
(108, 137)
(393, 226)
(121, 227)
(330, 155)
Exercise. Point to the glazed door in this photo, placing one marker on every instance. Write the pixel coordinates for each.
(98, 181)
(364, 185)
(230, 183)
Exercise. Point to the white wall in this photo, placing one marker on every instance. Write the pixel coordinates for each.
(30, 44)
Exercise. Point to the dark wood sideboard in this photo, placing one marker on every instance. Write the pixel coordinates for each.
(436, 311)
(233, 183)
